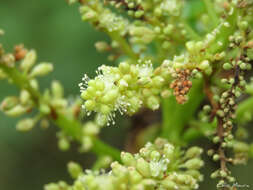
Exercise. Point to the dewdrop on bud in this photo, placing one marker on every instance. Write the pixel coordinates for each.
(143, 167)
(74, 169)
(28, 61)
(41, 69)
(25, 125)
(57, 89)
(128, 159)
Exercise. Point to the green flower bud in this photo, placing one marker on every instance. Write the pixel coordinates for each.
(169, 184)
(78, 185)
(194, 164)
(57, 89)
(90, 128)
(227, 66)
(216, 157)
(204, 65)
(216, 139)
(128, 159)
(74, 169)
(9, 103)
(86, 144)
(153, 102)
(28, 61)
(90, 105)
(102, 46)
(193, 152)
(63, 144)
(41, 69)
(16, 111)
(25, 124)
(24, 97)
(143, 167)
(135, 177)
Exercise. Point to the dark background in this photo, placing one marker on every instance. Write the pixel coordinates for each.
(55, 31)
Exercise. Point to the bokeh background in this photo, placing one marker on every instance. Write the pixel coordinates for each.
(55, 31)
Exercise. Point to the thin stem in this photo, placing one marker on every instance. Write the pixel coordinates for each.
(125, 47)
(190, 31)
(71, 127)
(211, 12)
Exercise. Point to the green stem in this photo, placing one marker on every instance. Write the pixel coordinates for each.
(190, 31)
(211, 12)
(125, 47)
(70, 126)
(176, 116)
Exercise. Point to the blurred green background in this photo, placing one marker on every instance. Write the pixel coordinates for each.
(55, 31)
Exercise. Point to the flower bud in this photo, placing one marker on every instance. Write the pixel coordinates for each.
(227, 66)
(28, 61)
(90, 128)
(143, 167)
(63, 144)
(153, 102)
(102, 46)
(25, 124)
(193, 152)
(24, 97)
(74, 169)
(57, 89)
(194, 164)
(41, 69)
(9, 103)
(135, 177)
(86, 144)
(16, 111)
(128, 159)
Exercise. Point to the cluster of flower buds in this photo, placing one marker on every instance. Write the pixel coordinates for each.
(90, 130)
(157, 166)
(125, 89)
(102, 17)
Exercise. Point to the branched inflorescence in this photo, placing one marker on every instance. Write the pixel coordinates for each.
(168, 58)
(157, 166)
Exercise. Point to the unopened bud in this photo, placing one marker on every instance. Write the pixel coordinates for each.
(41, 69)
(28, 61)
(25, 124)
(74, 169)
